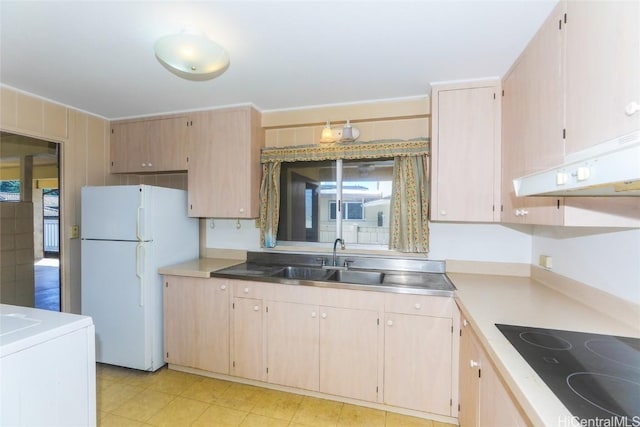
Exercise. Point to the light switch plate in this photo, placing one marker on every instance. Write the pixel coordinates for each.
(75, 231)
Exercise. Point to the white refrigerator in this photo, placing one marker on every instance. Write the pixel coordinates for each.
(128, 232)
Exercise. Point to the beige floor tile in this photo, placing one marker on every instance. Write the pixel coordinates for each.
(144, 405)
(111, 420)
(243, 392)
(112, 372)
(318, 412)
(398, 420)
(173, 382)
(206, 390)
(180, 412)
(114, 396)
(254, 420)
(353, 415)
(220, 416)
(277, 404)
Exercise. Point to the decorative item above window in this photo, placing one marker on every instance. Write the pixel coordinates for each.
(346, 151)
(409, 231)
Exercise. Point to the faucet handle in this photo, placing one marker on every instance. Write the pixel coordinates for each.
(347, 262)
(322, 261)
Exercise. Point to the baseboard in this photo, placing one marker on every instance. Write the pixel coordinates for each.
(610, 305)
(494, 268)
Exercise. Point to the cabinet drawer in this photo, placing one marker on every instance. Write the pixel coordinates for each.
(250, 289)
(419, 305)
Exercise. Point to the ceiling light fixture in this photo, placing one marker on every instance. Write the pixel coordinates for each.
(192, 56)
(327, 134)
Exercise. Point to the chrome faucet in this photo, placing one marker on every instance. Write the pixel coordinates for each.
(335, 258)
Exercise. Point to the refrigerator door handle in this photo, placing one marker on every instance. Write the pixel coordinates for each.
(140, 223)
(140, 254)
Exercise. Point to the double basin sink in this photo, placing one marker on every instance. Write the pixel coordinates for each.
(333, 275)
(390, 275)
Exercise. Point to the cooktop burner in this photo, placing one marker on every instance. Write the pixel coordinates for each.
(594, 376)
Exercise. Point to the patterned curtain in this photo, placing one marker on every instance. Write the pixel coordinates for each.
(269, 204)
(410, 205)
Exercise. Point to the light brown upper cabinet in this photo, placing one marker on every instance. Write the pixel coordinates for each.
(151, 145)
(603, 71)
(577, 56)
(465, 151)
(533, 122)
(224, 164)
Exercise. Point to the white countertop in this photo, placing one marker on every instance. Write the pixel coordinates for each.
(23, 327)
(486, 300)
(201, 267)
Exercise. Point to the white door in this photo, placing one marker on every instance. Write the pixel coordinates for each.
(115, 212)
(113, 295)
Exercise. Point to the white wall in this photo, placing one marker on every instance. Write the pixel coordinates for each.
(480, 242)
(605, 258)
(471, 242)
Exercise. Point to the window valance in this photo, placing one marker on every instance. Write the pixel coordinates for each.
(347, 150)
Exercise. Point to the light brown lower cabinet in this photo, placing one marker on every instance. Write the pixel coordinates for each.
(484, 399)
(334, 341)
(196, 323)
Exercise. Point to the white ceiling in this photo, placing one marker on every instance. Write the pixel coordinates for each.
(98, 55)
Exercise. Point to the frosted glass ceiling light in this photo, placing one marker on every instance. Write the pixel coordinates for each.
(327, 134)
(192, 56)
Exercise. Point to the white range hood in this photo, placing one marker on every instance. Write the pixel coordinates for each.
(611, 168)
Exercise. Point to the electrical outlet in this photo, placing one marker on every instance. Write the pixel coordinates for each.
(75, 231)
(546, 261)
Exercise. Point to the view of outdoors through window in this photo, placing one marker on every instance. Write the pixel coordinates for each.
(309, 201)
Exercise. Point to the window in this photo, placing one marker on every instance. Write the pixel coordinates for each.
(350, 210)
(320, 201)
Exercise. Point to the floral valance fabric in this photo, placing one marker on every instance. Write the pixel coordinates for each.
(346, 150)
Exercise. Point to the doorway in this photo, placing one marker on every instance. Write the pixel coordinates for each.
(30, 209)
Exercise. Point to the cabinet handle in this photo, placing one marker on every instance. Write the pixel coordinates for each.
(389, 322)
(246, 290)
(149, 164)
(223, 287)
(241, 210)
(144, 165)
(443, 213)
(417, 306)
(256, 308)
(521, 212)
(473, 364)
(324, 315)
(313, 314)
(632, 108)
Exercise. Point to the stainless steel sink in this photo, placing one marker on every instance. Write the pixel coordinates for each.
(358, 277)
(303, 273)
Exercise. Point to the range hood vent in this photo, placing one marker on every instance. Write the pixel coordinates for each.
(611, 168)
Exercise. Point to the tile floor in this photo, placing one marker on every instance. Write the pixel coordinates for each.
(47, 284)
(128, 397)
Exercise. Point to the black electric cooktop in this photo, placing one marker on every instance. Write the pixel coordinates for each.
(597, 377)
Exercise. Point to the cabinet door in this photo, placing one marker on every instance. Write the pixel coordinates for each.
(248, 339)
(224, 164)
(496, 407)
(417, 363)
(167, 144)
(128, 147)
(533, 122)
(466, 172)
(469, 378)
(603, 65)
(196, 323)
(293, 344)
(349, 353)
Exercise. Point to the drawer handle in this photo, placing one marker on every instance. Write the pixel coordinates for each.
(417, 306)
(473, 364)
(223, 287)
(390, 322)
(256, 308)
(324, 315)
(246, 290)
(313, 314)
